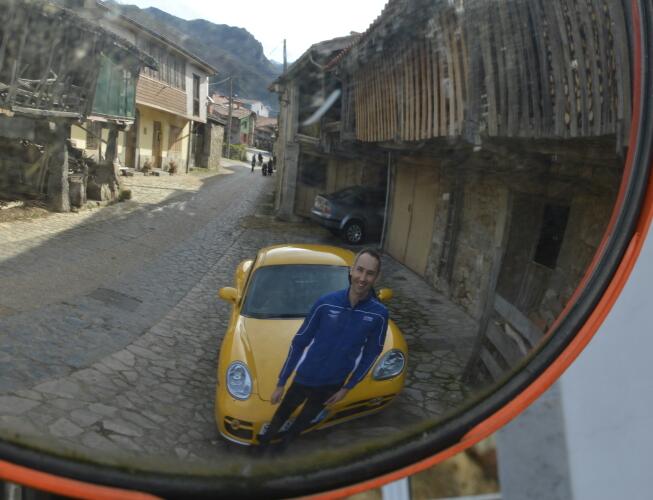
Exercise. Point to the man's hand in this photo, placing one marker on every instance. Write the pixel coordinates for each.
(338, 396)
(277, 395)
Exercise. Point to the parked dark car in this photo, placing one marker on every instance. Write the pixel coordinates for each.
(356, 212)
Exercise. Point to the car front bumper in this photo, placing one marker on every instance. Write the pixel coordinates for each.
(321, 219)
(242, 421)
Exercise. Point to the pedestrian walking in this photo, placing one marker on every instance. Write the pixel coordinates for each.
(342, 328)
(253, 162)
(260, 159)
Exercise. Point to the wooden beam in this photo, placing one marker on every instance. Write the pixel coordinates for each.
(587, 22)
(46, 113)
(423, 87)
(545, 124)
(509, 349)
(622, 71)
(458, 76)
(487, 60)
(521, 323)
(513, 90)
(491, 364)
(429, 88)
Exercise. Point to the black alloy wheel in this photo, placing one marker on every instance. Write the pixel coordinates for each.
(354, 232)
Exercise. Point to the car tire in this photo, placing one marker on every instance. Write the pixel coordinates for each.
(354, 232)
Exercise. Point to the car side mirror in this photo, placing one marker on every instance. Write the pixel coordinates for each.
(385, 294)
(228, 293)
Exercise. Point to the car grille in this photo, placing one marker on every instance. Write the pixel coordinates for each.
(239, 428)
(361, 407)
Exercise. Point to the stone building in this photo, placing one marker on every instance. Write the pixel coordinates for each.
(312, 155)
(265, 133)
(56, 70)
(171, 100)
(213, 141)
(243, 120)
(504, 142)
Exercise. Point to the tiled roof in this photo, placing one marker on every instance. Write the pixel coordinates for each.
(325, 47)
(264, 121)
(223, 110)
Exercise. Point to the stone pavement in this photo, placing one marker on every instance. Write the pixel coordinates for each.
(124, 373)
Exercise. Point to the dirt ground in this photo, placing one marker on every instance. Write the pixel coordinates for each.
(25, 210)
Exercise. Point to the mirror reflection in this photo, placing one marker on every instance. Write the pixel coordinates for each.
(171, 214)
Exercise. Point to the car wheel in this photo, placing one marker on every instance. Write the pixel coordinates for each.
(353, 232)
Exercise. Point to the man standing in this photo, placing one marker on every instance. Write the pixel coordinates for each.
(335, 347)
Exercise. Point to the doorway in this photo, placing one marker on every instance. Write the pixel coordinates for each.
(413, 214)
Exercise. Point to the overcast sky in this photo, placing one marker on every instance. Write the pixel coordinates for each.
(301, 22)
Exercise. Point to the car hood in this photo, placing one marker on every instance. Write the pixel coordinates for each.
(266, 343)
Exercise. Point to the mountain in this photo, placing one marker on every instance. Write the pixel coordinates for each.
(232, 51)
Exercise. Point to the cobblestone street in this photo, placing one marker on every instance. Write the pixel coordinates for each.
(110, 325)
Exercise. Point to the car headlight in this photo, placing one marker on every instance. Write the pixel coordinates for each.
(390, 365)
(239, 381)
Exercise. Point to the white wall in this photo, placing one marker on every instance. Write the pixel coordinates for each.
(607, 398)
(204, 91)
(261, 109)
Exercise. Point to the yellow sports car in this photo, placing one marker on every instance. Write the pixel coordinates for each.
(271, 297)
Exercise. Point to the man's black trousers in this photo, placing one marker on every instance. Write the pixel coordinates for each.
(296, 395)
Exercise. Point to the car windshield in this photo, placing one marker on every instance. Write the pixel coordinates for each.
(290, 291)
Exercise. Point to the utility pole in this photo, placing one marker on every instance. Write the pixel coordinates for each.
(285, 58)
(231, 110)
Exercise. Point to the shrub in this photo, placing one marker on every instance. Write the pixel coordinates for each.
(172, 167)
(125, 195)
(238, 152)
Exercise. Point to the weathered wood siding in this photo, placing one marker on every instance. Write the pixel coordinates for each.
(50, 59)
(508, 68)
(160, 95)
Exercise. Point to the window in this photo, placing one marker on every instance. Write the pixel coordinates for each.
(182, 73)
(196, 95)
(171, 67)
(554, 223)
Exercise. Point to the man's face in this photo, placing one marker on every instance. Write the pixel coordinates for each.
(364, 274)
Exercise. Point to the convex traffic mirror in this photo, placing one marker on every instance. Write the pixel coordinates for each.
(494, 152)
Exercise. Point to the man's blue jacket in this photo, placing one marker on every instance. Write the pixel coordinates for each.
(340, 339)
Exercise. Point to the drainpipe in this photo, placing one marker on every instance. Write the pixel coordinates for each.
(387, 200)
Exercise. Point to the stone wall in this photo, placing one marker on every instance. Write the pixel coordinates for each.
(484, 200)
(487, 202)
(588, 218)
(215, 136)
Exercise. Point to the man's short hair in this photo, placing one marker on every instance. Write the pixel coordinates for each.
(372, 253)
